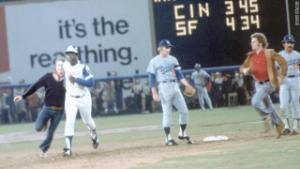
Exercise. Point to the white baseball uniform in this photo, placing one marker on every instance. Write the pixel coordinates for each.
(78, 98)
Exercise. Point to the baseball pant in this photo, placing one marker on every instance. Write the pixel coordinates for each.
(203, 96)
(171, 95)
(289, 93)
(84, 106)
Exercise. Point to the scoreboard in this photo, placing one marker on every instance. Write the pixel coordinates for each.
(216, 32)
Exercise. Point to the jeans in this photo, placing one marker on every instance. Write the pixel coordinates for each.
(53, 116)
(262, 102)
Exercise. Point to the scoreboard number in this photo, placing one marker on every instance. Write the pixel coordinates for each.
(249, 19)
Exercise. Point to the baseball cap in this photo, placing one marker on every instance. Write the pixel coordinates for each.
(72, 49)
(165, 43)
(289, 39)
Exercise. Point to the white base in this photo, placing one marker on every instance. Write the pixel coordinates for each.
(215, 138)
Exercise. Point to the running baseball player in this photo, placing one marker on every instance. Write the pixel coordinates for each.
(200, 78)
(53, 108)
(78, 98)
(165, 70)
(289, 89)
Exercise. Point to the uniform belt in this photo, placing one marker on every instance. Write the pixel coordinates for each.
(77, 97)
(262, 82)
(168, 81)
(55, 107)
(292, 76)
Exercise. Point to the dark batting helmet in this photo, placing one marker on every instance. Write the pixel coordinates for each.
(288, 39)
(198, 66)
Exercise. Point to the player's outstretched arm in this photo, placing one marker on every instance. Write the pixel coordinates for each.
(33, 88)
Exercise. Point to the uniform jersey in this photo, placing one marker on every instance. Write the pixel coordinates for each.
(163, 68)
(200, 78)
(78, 71)
(289, 89)
(293, 60)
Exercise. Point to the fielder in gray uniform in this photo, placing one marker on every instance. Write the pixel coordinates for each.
(165, 70)
(200, 78)
(289, 89)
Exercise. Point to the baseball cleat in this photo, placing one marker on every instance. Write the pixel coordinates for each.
(187, 138)
(294, 132)
(184, 136)
(171, 143)
(67, 152)
(286, 132)
(95, 142)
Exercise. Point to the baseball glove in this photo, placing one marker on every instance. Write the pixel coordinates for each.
(189, 91)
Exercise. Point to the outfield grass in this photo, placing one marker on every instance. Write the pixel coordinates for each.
(283, 154)
(239, 153)
(221, 115)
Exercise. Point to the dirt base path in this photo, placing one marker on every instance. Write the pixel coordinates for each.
(120, 155)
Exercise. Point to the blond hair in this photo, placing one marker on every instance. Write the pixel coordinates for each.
(261, 38)
(59, 58)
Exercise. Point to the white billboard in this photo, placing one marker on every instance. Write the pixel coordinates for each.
(112, 35)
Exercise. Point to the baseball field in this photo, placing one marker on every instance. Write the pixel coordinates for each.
(137, 142)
